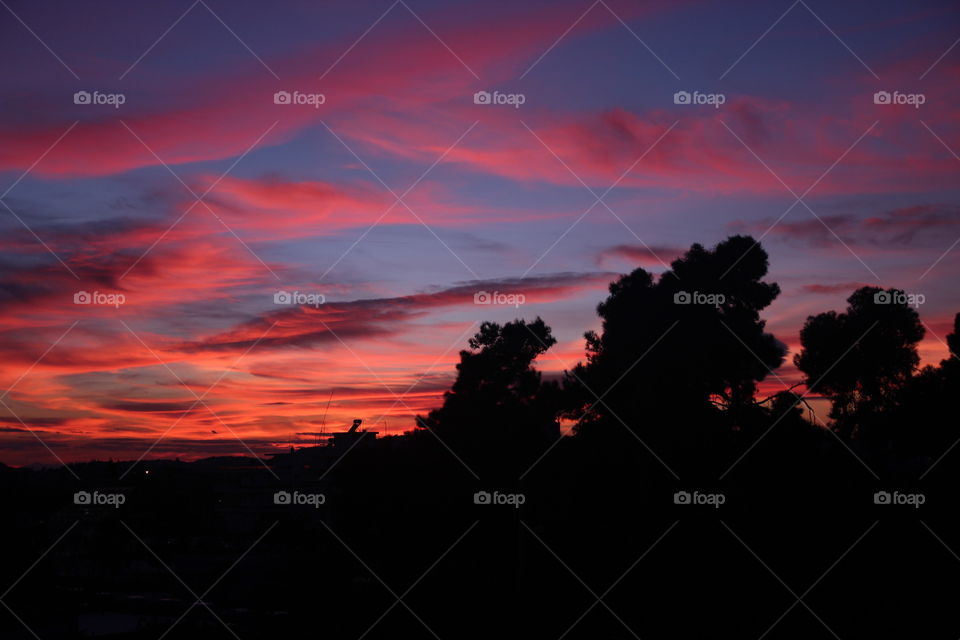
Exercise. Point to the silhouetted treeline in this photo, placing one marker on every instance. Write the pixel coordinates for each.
(683, 505)
(677, 363)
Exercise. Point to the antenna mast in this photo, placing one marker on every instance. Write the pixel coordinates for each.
(323, 425)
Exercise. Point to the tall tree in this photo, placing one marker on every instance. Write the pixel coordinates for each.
(498, 396)
(863, 357)
(953, 340)
(923, 423)
(681, 344)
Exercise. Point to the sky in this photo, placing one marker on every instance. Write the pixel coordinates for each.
(228, 227)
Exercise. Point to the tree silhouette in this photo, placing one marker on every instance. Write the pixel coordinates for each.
(498, 401)
(949, 369)
(863, 357)
(677, 347)
(922, 422)
(953, 340)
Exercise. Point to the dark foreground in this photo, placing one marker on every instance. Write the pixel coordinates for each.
(791, 543)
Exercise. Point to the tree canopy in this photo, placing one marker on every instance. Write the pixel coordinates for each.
(861, 358)
(497, 393)
(683, 342)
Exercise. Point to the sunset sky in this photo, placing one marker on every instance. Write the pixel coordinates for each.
(399, 197)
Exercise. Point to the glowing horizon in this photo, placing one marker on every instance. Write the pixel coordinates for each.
(196, 174)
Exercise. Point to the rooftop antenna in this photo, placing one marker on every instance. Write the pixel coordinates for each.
(323, 425)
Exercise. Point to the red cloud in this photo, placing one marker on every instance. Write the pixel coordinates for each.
(336, 321)
(655, 256)
(221, 119)
(840, 287)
